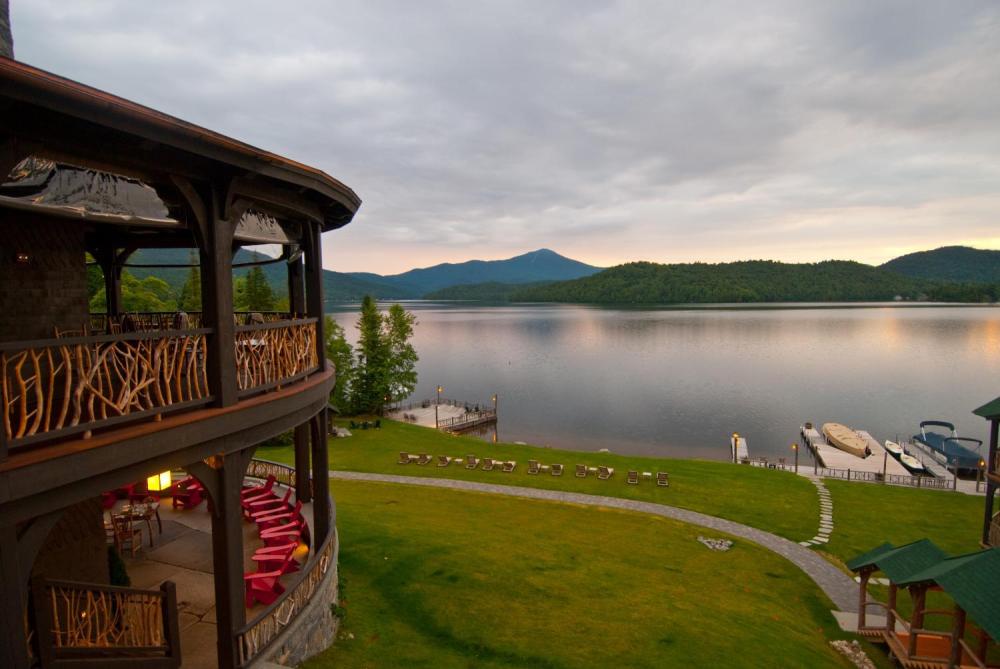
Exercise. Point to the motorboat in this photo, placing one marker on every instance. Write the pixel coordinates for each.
(911, 462)
(845, 439)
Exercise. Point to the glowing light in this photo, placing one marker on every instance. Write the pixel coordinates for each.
(159, 481)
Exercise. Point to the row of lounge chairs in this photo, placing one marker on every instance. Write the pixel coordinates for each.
(534, 467)
(280, 526)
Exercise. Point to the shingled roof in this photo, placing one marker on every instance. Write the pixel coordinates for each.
(973, 581)
(989, 410)
(902, 562)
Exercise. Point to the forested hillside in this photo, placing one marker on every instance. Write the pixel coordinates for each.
(949, 263)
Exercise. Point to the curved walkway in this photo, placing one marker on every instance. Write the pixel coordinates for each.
(839, 587)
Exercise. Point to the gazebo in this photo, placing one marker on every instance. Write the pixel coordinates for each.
(991, 520)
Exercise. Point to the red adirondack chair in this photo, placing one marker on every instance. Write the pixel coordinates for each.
(269, 505)
(265, 520)
(279, 535)
(253, 492)
(188, 494)
(108, 499)
(276, 558)
(140, 491)
(263, 587)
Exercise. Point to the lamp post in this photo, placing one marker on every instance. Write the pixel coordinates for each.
(979, 472)
(795, 449)
(436, 405)
(494, 404)
(736, 441)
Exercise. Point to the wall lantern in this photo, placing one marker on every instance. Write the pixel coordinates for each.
(158, 482)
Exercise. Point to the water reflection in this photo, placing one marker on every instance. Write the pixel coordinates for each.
(678, 381)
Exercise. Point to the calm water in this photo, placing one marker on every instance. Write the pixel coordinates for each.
(679, 381)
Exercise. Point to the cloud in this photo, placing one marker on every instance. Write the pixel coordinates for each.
(608, 131)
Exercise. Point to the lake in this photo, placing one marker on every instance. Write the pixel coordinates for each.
(679, 381)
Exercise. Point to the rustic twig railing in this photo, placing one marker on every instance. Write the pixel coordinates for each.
(467, 420)
(282, 473)
(271, 354)
(80, 624)
(994, 536)
(55, 387)
(257, 635)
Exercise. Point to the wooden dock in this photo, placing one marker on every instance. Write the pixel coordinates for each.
(468, 420)
(832, 457)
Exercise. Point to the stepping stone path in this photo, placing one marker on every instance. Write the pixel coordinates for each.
(837, 585)
(825, 514)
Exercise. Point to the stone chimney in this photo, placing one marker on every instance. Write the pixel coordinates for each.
(6, 40)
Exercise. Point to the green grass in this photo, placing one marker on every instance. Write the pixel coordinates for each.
(776, 501)
(444, 579)
(865, 515)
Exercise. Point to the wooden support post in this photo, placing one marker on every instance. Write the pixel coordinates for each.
(957, 634)
(991, 488)
(320, 478)
(170, 622)
(314, 287)
(919, 596)
(223, 478)
(863, 598)
(13, 644)
(303, 488)
(217, 306)
(890, 609)
(296, 287)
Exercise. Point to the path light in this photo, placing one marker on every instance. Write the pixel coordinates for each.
(979, 472)
(439, 389)
(494, 402)
(795, 448)
(736, 442)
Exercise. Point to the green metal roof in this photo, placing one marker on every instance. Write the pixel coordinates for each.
(989, 410)
(868, 559)
(900, 563)
(973, 581)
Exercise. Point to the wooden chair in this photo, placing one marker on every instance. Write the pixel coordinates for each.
(632, 477)
(276, 558)
(75, 332)
(424, 459)
(262, 490)
(127, 536)
(471, 462)
(188, 494)
(444, 460)
(263, 507)
(533, 467)
(268, 520)
(263, 587)
(508, 467)
(604, 472)
(662, 479)
(489, 464)
(557, 470)
(581, 471)
(404, 458)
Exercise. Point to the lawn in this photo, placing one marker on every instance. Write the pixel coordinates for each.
(776, 501)
(439, 578)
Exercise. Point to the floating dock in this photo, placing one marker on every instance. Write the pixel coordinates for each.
(831, 457)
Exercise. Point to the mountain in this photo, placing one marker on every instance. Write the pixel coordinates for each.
(540, 265)
(748, 281)
(949, 263)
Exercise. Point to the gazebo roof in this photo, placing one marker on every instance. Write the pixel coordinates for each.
(902, 562)
(989, 410)
(973, 581)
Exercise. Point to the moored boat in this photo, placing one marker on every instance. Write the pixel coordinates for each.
(895, 449)
(950, 450)
(845, 439)
(911, 462)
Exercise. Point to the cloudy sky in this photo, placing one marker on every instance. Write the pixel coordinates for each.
(608, 131)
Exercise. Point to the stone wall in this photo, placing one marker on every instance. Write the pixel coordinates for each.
(315, 627)
(76, 549)
(50, 289)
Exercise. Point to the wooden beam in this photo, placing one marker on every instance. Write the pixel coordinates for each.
(321, 478)
(286, 200)
(991, 487)
(957, 634)
(296, 275)
(217, 300)
(314, 287)
(918, 594)
(863, 597)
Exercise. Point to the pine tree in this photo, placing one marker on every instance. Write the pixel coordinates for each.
(367, 390)
(339, 351)
(190, 298)
(401, 374)
(258, 293)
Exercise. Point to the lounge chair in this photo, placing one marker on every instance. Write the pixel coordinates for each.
(662, 479)
(404, 458)
(533, 467)
(424, 459)
(188, 495)
(604, 472)
(269, 505)
(267, 520)
(489, 464)
(509, 466)
(444, 460)
(256, 491)
(557, 470)
(263, 587)
(632, 478)
(276, 558)
(471, 462)
(581, 471)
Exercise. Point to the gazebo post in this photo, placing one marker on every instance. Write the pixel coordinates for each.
(863, 597)
(919, 594)
(302, 488)
(890, 609)
(991, 487)
(321, 478)
(957, 634)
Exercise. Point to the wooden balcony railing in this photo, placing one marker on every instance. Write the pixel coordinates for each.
(82, 624)
(994, 536)
(269, 355)
(56, 387)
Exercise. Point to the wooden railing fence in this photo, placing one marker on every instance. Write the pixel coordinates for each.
(56, 387)
(86, 625)
(271, 354)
